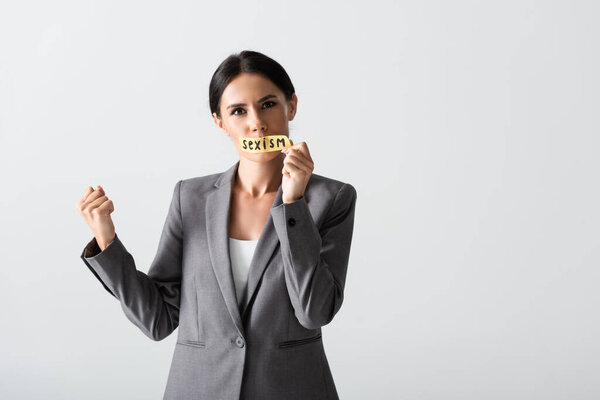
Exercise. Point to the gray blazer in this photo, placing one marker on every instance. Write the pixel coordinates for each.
(270, 347)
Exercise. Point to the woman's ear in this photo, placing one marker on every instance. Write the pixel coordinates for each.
(219, 123)
(292, 106)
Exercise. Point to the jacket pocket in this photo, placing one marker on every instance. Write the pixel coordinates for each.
(298, 342)
(192, 343)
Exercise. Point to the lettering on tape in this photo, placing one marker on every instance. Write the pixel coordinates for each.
(264, 144)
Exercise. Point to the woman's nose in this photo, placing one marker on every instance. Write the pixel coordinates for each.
(257, 123)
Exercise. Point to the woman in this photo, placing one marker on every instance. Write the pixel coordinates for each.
(251, 262)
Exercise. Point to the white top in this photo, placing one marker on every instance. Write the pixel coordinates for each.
(240, 254)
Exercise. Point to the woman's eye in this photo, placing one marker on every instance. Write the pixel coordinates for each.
(270, 103)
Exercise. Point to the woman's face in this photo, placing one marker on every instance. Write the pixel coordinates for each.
(253, 106)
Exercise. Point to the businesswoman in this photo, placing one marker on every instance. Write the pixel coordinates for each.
(251, 262)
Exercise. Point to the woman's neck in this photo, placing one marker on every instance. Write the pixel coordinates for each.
(259, 178)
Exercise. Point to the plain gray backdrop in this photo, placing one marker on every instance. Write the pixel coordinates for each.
(470, 130)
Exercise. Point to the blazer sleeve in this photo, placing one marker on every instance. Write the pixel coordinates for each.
(151, 301)
(316, 260)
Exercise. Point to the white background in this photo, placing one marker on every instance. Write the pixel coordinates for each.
(470, 130)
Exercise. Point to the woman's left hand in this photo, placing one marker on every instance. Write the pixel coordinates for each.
(297, 169)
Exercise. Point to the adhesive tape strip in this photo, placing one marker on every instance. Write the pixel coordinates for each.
(264, 144)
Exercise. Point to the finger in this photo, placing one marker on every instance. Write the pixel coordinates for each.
(106, 208)
(292, 170)
(303, 148)
(298, 165)
(299, 153)
(84, 196)
(98, 190)
(86, 193)
(299, 160)
(291, 146)
(95, 204)
(93, 196)
(301, 156)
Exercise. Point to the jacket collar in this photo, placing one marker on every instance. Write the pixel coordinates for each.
(218, 204)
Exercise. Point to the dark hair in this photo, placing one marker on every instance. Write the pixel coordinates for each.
(247, 61)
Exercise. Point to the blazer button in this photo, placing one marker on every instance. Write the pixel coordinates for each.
(239, 341)
(292, 221)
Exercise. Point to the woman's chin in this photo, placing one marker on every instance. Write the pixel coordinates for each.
(263, 157)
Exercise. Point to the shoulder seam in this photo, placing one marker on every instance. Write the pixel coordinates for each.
(335, 199)
(179, 203)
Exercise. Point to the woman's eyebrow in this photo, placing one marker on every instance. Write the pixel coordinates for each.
(259, 100)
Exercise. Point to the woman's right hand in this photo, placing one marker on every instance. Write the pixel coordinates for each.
(96, 208)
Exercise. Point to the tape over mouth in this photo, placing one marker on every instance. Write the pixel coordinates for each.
(264, 144)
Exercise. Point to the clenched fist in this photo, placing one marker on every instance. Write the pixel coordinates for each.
(96, 208)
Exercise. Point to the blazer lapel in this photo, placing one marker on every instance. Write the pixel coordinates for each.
(217, 234)
(265, 247)
(218, 203)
